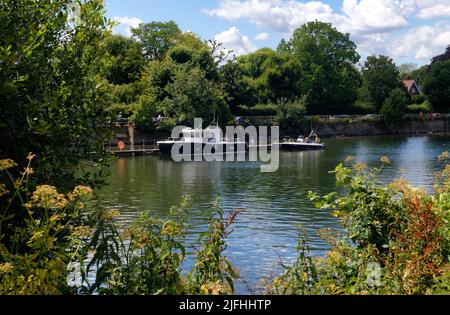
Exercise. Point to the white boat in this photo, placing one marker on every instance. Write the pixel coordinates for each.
(200, 141)
(312, 142)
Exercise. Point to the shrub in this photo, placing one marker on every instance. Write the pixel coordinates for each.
(37, 247)
(394, 106)
(291, 113)
(396, 239)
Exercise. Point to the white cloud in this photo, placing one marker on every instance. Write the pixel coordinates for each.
(232, 39)
(377, 27)
(422, 42)
(279, 15)
(262, 36)
(368, 16)
(125, 24)
(359, 16)
(429, 9)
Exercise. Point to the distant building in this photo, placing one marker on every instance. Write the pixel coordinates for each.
(412, 87)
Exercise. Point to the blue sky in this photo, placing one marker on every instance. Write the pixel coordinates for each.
(407, 30)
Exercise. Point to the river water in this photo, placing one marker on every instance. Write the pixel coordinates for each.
(274, 203)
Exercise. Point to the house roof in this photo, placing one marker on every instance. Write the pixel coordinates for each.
(409, 84)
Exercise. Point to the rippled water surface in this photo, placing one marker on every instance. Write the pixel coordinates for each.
(274, 203)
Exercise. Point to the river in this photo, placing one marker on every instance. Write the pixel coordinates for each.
(274, 203)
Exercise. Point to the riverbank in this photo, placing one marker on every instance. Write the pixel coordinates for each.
(325, 126)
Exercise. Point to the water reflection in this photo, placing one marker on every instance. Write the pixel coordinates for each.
(274, 203)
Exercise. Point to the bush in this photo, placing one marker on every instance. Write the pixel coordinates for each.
(419, 108)
(394, 106)
(396, 241)
(418, 99)
(291, 113)
(257, 110)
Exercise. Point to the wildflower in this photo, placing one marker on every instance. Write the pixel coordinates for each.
(28, 171)
(213, 288)
(82, 231)
(7, 163)
(48, 197)
(443, 156)
(3, 190)
(81, 192)
(30, 156)
(385, 160)
(349, 159)
(6, 267)
(360, 166)
(171, 228)
(109, 214)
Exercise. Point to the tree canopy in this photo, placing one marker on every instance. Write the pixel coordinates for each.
(327, 58)
(51, 91)
(380, 76)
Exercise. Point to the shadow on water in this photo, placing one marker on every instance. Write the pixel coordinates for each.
(274, 203)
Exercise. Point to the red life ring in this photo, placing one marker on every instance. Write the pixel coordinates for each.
(121, 145)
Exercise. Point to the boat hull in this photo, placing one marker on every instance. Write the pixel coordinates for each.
(301, 147)
(165, 147)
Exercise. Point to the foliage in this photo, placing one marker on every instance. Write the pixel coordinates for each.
(125, 61)
(406, 70)
(156, 38)
(237, 89)
(420, 108)
(394, 107)
(396, 239)
(443, 57)
(213, 273)
(380, 76)
(270, 75)
(437, 86)
(144, 258)
(58, 245)
(37, 247)
(51, 91)
(291, 113)
(327, 58)
(257, 110)
(182, 87)
(191, 95)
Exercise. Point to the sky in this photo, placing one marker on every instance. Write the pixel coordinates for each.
(409, 31)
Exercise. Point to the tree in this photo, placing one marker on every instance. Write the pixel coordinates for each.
(270, 75)
(192, 95)
(437, 86)
(380, 76)
(444, 57)
(51, 91)
(394, 107)
(326, 59)
(182, 86)
(406, 70)
(235, 86)
(156, 38)
(418, 75)
(126, 60)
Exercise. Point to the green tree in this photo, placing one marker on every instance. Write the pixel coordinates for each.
(326, 58)
(394, 107)
(437, 86)
(380, 76)
(51, 91)
(125, 59)
(406, 70)
(192, 95)
(270, 75)
(156, 38)
(235, 86)
(419, 74)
